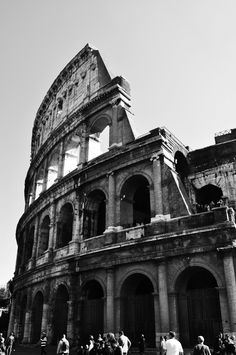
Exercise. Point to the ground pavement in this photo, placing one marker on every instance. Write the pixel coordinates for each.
(51, 350)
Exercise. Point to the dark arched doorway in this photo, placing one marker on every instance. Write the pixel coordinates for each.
(37, 312)
(137, 309)
(60, 313)
(65, 225)
(208, 195)
(198, 306)
(95, 214)
(135, 202)
(44, 235)
(92, 310)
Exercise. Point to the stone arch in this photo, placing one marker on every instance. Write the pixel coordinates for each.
(91, 309)
(181, 165)
(44, 235)
(94, 216)
(99, 136)
(39, 181)
(208, 195)
(29, 243)
(198, 304)
(65, 225)
(137, 314)
(37, 313)
(129, 273)
(135, 206)
(52, 167)
(60, 312)
(71, 153)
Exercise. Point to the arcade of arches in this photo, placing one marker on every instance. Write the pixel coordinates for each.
(138, 309)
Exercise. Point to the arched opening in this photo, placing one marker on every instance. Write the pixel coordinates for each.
(92, 318)
(65, 225)
(39, 182)
(181, 165)
(44, 235)
(99, 138)
(37, 312)
(71, 159)
(22, 306)
(52, 170)
(135, 202)
(198, 306)
(29, 244)
(208, 196)
(95, 214)
(137, 309)
(60, 313)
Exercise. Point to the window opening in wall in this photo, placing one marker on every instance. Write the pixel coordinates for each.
(181, 165)
(65, 225)
(207, 197)
(94, 218)
(72, 150)
(44, 236)
(135, 202)
(99, 139)
(52, 171)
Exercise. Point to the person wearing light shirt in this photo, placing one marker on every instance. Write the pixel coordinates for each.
(172, 346)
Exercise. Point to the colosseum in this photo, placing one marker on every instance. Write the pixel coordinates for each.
(121, 232)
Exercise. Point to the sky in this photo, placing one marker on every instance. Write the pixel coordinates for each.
(178, 55)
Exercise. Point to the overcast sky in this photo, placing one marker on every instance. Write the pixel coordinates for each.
(178, 55)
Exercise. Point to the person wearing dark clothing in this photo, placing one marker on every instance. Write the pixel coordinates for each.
(43, 344)
(201, 348)
(141, 344)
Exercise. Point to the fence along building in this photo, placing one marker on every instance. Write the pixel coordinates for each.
(121, 232)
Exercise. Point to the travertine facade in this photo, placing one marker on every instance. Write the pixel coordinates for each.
(118, 231)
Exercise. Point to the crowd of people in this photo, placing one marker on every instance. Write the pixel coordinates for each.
(109, 344)
(7, 346)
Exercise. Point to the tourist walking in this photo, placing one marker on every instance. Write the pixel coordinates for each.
(2, 344)
(63, 346)
(141, 344)
(124, 342)
(173, 346)
(201, 348)
(10, 344)
(43, 344)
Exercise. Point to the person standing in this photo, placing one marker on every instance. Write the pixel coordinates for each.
(172, 346)
(63, 346)
(201, 348)
(162, 345)
(141, 344)
(2, 344)
(124, 342)
(43, 344)
(10, 343)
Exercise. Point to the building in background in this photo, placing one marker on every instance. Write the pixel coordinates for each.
(121, 232)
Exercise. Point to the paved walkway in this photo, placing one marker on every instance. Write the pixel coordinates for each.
(51, 350)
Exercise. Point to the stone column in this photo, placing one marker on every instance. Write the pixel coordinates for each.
(163, 298)
(44, 318)
(12, 316)
(74, 243)
(157, 318)
(35, 244)
(173, 312)
(52, 226)
(84, 146)
(224, 310)
(45, 175)
(156, 164)
(111, 201)
(113, 138)
(70, 325)
(230, 288)
(28, 318)
(110, 301)
(61, 161)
